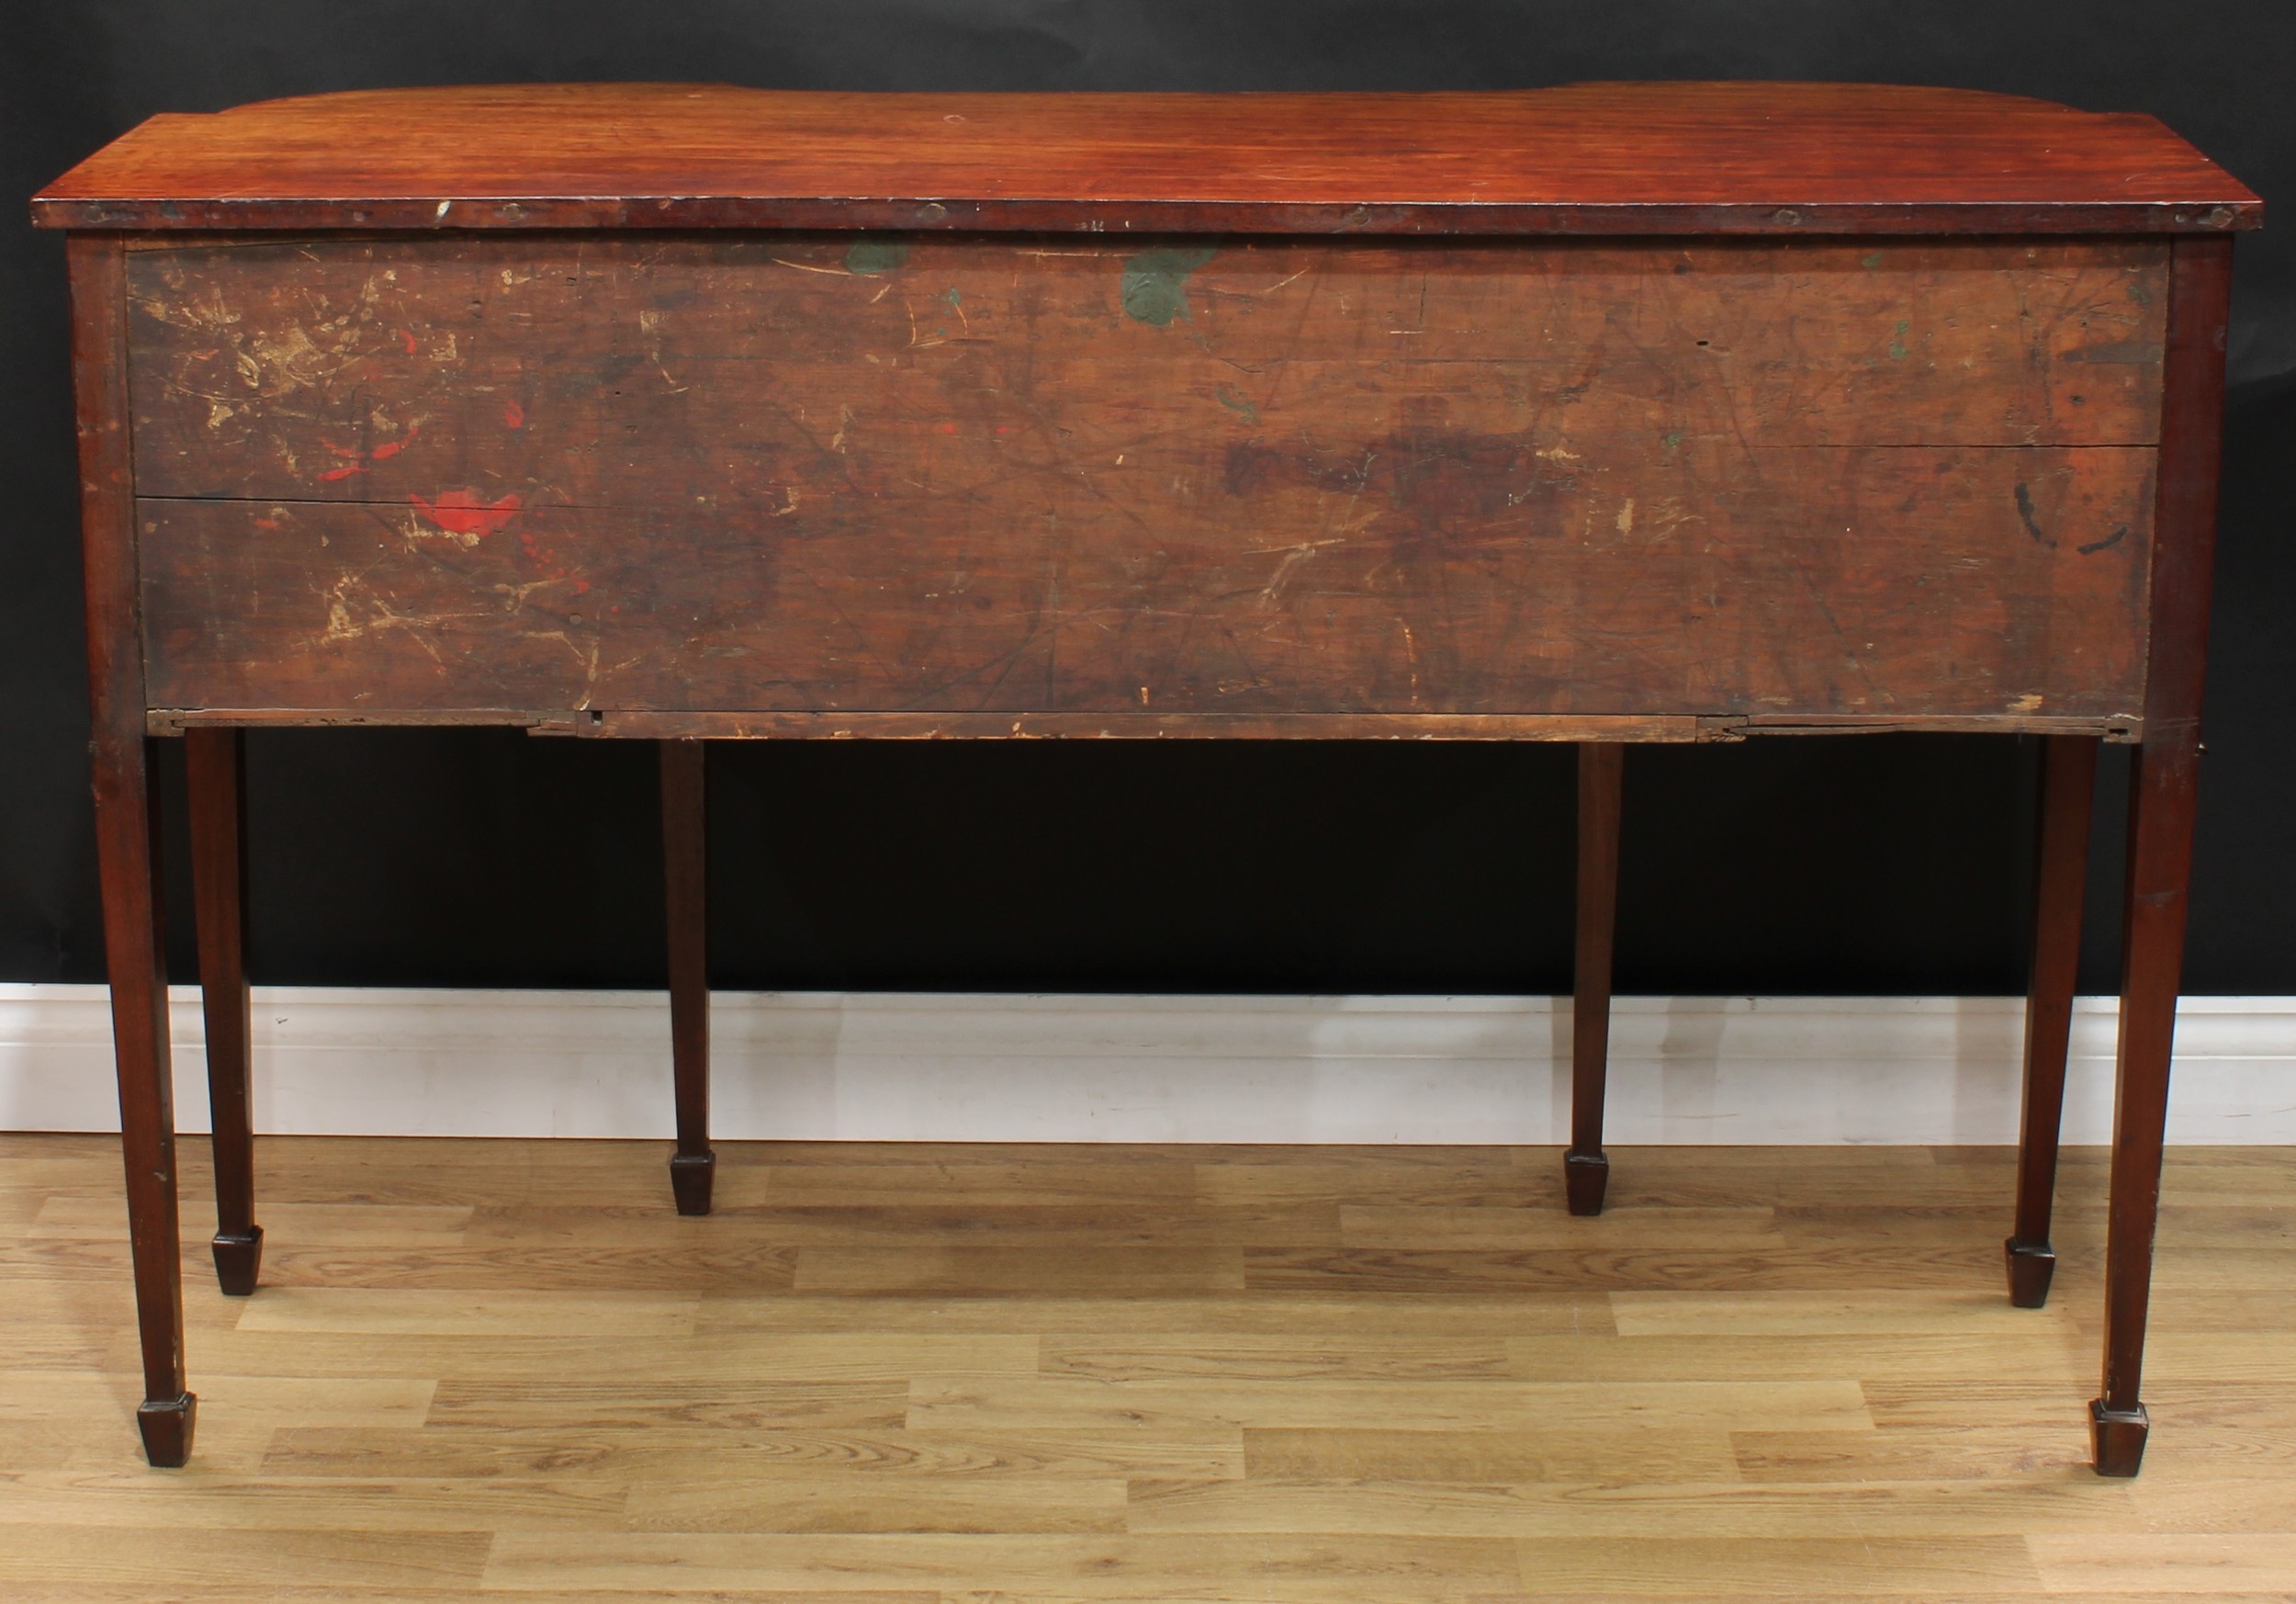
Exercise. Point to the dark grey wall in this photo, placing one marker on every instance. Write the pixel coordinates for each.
(1885, 864)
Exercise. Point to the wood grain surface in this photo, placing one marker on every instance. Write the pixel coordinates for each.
(911, 1373)
(839, 474)
(1616, 158)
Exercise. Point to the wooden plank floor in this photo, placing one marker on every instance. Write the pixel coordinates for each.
(917, 1374)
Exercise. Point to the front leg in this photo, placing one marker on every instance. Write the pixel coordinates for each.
(127, 841)
(127, 838)
(2163, 792)
(2160, 858)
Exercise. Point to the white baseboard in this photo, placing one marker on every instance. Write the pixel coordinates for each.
(899, 1067)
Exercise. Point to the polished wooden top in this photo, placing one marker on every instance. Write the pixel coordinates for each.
(1587, 158)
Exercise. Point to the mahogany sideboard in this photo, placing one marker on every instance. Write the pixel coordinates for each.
(1606, 414)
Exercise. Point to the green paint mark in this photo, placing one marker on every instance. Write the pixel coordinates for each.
(1236, 403)
(1897, 346)
(2138, 293)
(872, 254)
(951, 297)
(1155, 281)
(1873, 261)
(1674, 439)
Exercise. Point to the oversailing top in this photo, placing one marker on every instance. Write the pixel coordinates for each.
(1655, 158)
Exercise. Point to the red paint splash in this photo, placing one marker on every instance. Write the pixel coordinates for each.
(407, 335)
(356, 461)
(460, 512)
(513, 414)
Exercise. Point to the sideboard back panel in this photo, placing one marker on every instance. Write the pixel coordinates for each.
(958, 473)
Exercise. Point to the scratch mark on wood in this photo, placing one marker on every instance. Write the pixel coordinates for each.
(1293, 557)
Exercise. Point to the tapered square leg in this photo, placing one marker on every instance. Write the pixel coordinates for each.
(1586, 1169)
(2164, 788)
(127, 855)
(2160, 855)
(127, 837)
(215, 761)
(2068, 776)
(685, 820)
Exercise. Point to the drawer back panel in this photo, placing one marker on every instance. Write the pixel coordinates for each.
(1084, 474)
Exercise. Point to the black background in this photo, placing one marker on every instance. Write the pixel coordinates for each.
(1878, 864)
